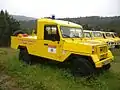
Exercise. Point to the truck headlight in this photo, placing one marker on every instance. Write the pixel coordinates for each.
(93, 49)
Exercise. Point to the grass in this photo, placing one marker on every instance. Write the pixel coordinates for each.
(15, 75)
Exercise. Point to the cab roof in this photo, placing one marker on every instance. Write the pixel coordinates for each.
(97, 31)
(59, 22)
(105, 32)
(87, 30)
(111, 32)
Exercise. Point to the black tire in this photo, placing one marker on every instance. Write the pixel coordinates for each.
(24, 56)
(83, 67)
(106, 67)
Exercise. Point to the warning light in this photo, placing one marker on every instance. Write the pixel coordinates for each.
(53, 16)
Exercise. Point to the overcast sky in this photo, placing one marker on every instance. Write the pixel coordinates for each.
(62, 8)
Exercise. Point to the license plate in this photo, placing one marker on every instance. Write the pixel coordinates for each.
(106, 62)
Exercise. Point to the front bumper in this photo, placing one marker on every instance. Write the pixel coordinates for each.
(100, 63)
(106, 61)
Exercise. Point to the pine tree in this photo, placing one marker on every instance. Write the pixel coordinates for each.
(7, 26)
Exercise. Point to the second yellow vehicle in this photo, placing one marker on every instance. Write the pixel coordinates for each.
(116, 38)
(100, 36)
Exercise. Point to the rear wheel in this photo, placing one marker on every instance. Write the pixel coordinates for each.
(82, 66)
(24, 56)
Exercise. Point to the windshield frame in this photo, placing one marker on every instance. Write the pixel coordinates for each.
(71, 27)
(88, 33)
(93, 35)
(108, 36)
(115, 35)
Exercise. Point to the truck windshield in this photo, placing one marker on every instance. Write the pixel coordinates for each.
(108, 35)
(97, 34)
(116, 35)
(87, 34)
(71, 32)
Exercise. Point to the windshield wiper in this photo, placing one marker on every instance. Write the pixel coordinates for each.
(65, 35)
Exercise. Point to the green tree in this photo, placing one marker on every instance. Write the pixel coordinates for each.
(7, 26)
(86, 27)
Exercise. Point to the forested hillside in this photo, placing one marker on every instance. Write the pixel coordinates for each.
(22, 18)
(93, 22)
(98, 23)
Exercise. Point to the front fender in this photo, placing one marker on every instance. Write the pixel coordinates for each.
(99, 63)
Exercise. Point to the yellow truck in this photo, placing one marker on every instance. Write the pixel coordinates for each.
(62, 41)
(89, 36)
(100, 36)
(116, 38)
(108, 36)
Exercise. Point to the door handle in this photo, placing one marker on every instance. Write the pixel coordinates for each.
(46, 44)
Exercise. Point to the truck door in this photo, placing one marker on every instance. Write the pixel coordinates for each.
(51, 42)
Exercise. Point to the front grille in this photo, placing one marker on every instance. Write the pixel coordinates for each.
(112, 43)
(103, 49)
(103, 52)
(102, 57)
(118, 43)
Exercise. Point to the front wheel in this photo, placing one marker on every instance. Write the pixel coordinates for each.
(107, 67)
(82, 66)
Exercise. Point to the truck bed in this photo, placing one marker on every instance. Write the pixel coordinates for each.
(24, 41)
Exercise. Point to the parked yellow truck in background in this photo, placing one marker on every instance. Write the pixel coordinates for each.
(100, 36)
(116, 38)
(62, 41)
(108, 35)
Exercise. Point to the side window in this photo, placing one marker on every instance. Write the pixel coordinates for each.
(51, 33)
(87, 34)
